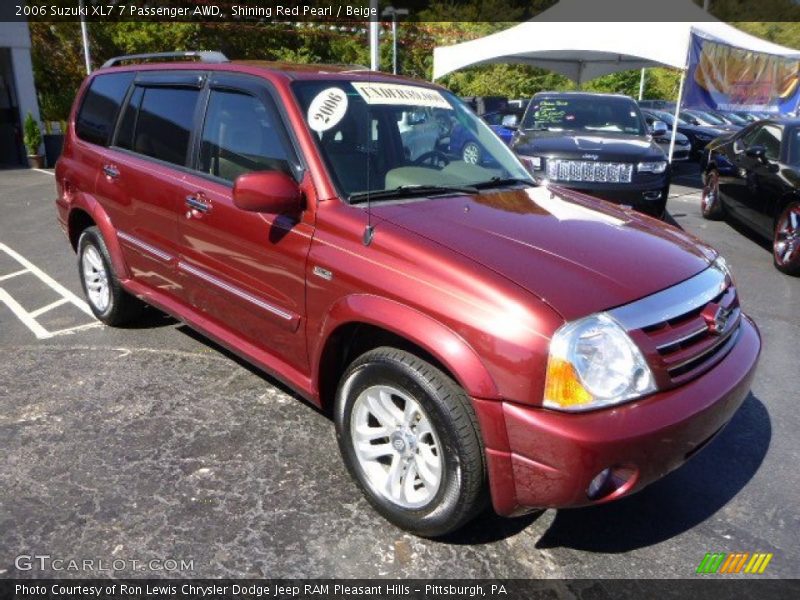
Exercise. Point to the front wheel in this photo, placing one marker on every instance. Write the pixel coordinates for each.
(410, 439)
(710, 204)
(786, 241)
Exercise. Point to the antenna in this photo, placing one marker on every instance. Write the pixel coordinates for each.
(369, 231)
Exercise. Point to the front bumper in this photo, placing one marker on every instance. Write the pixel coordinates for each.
(649, 197)
(540, 458)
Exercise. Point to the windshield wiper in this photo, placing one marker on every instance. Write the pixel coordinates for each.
(408, 191)
(502, 181)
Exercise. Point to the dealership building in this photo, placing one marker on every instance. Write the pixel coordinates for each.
(17, 90)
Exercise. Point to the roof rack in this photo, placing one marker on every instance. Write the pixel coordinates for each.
(206, 56)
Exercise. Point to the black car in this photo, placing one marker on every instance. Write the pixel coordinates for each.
(699, 135)
(596, 143)
(754, 177)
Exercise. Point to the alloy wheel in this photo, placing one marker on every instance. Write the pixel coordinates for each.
(95, 276)
(396, 446)
(786, 246)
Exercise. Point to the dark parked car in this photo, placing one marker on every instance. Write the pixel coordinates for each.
(596, 143)
(755, 178)
(658, 104)
(707, 119)
(475, 337)
(699, 135)
(682, 151)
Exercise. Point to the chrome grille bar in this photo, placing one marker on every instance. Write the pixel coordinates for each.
(581, 170)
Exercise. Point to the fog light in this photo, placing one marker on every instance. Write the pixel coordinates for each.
(598, 483)
(614, 481)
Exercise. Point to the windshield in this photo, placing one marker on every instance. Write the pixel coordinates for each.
(584, 113)
(708, 117)
(376, 137)
(668, 118)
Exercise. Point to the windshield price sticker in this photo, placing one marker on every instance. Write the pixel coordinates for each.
(327, 109)
(405, 95)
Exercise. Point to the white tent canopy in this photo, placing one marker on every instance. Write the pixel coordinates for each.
(591, 48)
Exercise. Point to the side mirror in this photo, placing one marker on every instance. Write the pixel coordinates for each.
(659, 129)
(510, 122)
(758, 152)
(271, 192)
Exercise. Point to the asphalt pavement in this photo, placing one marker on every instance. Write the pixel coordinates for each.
(150, 443)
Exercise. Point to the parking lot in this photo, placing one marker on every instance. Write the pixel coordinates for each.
(152, 443)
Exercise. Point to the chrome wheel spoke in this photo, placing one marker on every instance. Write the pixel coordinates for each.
(394, 482)
(429, 471)
(368, 434)
(369, 451)
(383, 409)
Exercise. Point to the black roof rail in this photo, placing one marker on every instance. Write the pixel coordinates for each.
(206, 56)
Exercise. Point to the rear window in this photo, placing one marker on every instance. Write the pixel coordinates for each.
(98, 112)
(164, 123)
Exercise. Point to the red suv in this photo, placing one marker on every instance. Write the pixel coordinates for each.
(474, 335)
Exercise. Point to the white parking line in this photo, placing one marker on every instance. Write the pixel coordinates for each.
(24, 316)
(14, 274)
(49, 281)
(29, 319)
(51, 173)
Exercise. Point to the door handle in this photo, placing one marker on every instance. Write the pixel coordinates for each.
(111, 171)
(197, 203)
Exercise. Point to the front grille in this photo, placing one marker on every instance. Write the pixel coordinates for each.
(680, 338)
(582, 170)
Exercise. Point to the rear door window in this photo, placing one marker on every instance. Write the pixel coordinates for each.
(241, 134)
(164, 123)
(100, 106)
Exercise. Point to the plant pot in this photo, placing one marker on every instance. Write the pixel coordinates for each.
(53, 143)
(35, 161)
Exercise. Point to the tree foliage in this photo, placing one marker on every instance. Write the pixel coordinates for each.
(59, 67)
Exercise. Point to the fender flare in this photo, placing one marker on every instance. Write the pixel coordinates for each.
(92, 207)
(446, 346)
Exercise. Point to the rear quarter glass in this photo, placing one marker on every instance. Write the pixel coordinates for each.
(100, 106)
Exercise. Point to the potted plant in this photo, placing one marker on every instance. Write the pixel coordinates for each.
(32, 137)
(53, 142)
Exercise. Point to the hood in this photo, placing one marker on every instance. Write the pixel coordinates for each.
(714, 132)
(578, 254)
(606, 146)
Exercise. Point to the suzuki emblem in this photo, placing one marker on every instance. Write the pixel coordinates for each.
(716, 318)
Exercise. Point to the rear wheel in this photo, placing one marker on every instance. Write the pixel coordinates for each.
(710, 204)
(109, 302)
(409, 437)
(786, 242)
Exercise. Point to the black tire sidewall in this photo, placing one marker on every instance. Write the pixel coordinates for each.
(435, 518)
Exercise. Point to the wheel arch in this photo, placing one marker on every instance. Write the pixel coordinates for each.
(85, 212)
(359, 323)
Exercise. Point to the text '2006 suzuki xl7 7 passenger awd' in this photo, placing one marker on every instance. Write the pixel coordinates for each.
(475, 336)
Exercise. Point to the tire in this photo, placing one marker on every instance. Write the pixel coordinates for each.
(109, 302)
(442, 447)
(471, 153)
(710, 203)
(786, 240)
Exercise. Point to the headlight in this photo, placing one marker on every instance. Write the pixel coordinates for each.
(658, 166)
(531, 162)
(593, 363)
(724, 266)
